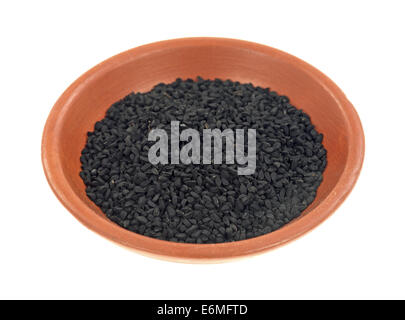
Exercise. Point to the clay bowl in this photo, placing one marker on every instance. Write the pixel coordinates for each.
(139, 69)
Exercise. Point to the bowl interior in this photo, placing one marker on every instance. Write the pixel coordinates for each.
(140, 69)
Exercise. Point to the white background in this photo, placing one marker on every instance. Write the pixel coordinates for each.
(357, 253)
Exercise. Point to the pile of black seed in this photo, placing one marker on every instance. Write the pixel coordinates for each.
(203, 203)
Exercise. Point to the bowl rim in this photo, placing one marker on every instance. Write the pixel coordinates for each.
(51, 160)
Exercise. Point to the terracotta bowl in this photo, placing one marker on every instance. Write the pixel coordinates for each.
(139, 69)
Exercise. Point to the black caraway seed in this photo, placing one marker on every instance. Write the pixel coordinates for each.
(203, 203)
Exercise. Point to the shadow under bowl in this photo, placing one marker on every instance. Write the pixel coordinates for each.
(139, 69)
